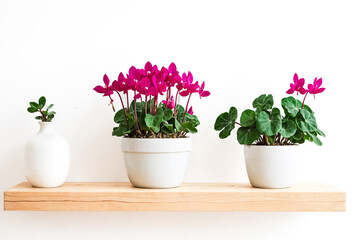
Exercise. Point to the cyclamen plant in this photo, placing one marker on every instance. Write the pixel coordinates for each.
(45, 115)
(143, 114)
(266, 125)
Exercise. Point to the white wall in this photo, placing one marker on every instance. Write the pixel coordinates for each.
(242, 49)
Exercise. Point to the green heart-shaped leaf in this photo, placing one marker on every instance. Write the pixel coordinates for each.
(225, 119)
(188, 126)
(307, 121)
(168, 114)
(227, 130)
(269, 124)
(247, 135)
(154, 122)
(291, 106)
(263, 102)
(247, 118)
(315, 138)
(288, 128)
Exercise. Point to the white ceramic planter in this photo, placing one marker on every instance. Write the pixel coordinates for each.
(271, 166)
(156, 162)
(47, 158)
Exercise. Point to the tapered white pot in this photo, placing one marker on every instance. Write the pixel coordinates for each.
(271, 166)
(156, 162)
(47, 158)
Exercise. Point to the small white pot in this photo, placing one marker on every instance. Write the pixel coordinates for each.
(47, 158)
(271, 166)
(156, 162)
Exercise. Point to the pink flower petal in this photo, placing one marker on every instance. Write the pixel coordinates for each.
(290, 91)
(190, 111)
(99, 89)
(320, 90)
(106, 80)
(137, 96)
(295, 78)
(301, 82)
(205, 94)
(148, 67)
(172, 68)
(184, 93)
(190, 77)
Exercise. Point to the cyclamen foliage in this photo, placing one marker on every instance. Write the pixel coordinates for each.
(45, 115)
(144, 114)
(266, 126)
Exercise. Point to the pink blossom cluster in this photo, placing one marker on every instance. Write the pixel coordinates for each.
(298, 86)
(151, 83)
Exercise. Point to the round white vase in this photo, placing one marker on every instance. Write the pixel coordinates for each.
(156, 162)
(47, 158)
(271, 166)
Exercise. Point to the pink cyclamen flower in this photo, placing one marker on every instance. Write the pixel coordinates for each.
(315, 87)
(190, 111)
(169, 104)
(298, 85)
(107, 90)
(202, 92)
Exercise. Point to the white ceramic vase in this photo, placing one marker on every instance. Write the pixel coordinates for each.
(47, 158)
(271, 166)
(156, 162)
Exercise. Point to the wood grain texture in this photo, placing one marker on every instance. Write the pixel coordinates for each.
(106, 196)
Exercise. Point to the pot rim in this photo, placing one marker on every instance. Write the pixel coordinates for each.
(253, 145)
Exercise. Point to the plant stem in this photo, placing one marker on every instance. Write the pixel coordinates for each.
(266, 139)
(122, 103)
(136, 118)
(145, 104)
(187, 105)
(238, 124)
(176, 103)
(302, 106)
(127, 96)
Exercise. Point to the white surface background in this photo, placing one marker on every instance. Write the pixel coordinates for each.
(242, 49)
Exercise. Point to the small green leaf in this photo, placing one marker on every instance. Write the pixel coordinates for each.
(233, 113)
(32, 109)
(269, 124)
(178, 126)
(318, 131)
(168, 114)
(315, 138)
(263, 102)
(307, 121)
(42, 102)
(247, 135)
(188, 126)
(154, 122)
(50, 106)
(45, 113)
(227, 130)
(288, 128)
(247, 118)
(169, 127)
(226, 122)
(291, 106)
(51, 113)
(34, 105)
(38, 117)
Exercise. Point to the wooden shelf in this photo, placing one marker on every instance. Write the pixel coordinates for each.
(107, 196)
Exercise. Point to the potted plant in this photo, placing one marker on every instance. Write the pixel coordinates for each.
(47, 155)
(154, 132)
(270, 138)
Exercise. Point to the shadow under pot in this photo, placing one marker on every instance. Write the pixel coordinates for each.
(156, 162)
(271, 166)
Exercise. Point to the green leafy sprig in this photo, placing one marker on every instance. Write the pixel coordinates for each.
(45, 115)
